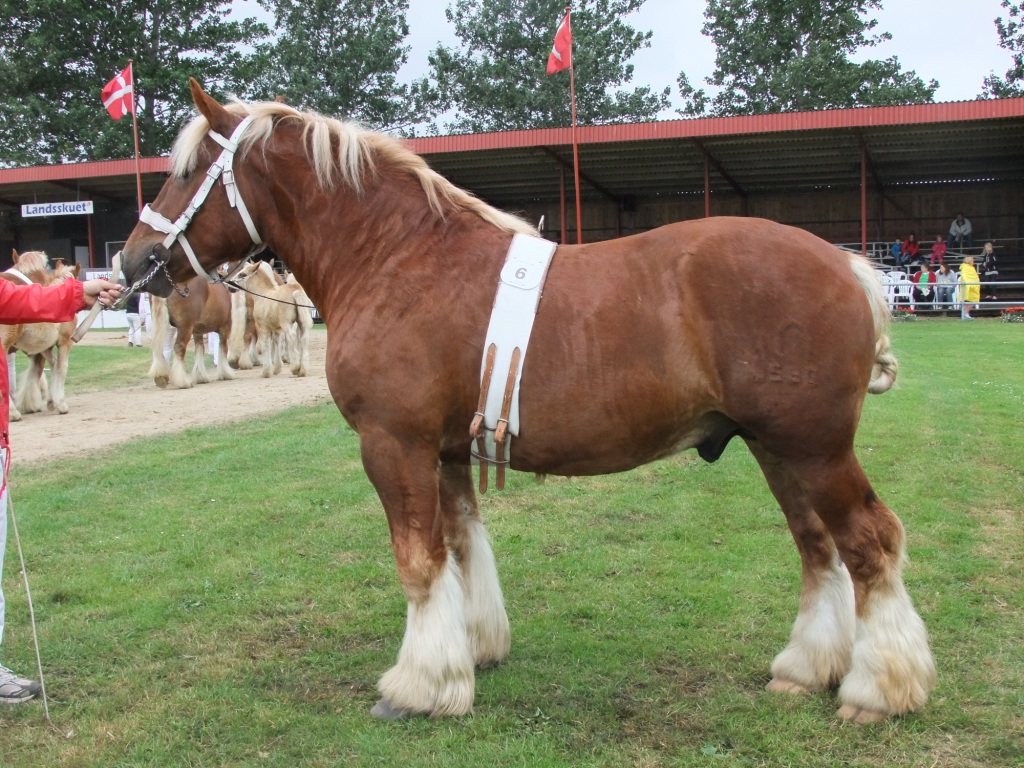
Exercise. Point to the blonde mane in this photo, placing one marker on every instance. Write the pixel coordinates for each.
(358, 152)
(32, 261)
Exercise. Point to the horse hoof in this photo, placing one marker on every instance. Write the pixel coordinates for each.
(384, 711)
(778, 685)
(853, 714)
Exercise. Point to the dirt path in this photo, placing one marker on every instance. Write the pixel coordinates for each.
(98, 420)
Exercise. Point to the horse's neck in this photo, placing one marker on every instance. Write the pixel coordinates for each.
(263, 281)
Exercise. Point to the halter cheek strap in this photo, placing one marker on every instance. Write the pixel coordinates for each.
(220, 169)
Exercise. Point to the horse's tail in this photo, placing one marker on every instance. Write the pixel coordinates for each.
(303, 313)
(883, 373)
(159, 371)
(239, 317)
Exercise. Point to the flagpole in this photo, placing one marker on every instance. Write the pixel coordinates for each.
(575, 146)
(135, 129)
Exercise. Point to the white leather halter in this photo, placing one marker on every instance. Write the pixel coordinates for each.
(219, 169)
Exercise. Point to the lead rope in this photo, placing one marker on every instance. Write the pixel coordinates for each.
(28, 594)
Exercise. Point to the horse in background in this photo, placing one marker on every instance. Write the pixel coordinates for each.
(243, 349)
(206, 309)
(38, 340)
(282, 317)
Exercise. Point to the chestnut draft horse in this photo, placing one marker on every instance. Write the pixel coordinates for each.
(206, 309)
(642, 347)
(38, 340)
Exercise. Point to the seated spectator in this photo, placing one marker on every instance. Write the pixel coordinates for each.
(924, 282)
(910, 249)
(938, 251)
(960, 233)
(945, 286)
(972, 289)
(989, 273)
(897, 252)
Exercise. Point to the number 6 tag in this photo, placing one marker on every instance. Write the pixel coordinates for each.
(523, 272)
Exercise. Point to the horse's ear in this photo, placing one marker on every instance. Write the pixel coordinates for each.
(219, 118)
(14, 255)
(77, 270)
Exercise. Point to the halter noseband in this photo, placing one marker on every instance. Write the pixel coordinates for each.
(220, 169)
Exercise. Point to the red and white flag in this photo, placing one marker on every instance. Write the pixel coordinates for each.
(561, 52)
(117, 94)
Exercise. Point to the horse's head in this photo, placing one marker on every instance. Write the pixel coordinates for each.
(208, 211)
(34, 265)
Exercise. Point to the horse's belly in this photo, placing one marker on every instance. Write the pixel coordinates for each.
(615, 448)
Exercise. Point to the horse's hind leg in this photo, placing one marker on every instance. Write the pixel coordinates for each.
(30, 397)
(891, 670)
(224, 371)
(821, 642)
(434, 673)
(486, 619)
(199, 373)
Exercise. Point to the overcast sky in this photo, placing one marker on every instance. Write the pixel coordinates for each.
(952, 41)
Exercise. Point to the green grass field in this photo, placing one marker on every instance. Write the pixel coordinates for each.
(227, 597)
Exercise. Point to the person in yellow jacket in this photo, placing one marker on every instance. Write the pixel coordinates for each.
(971, 287)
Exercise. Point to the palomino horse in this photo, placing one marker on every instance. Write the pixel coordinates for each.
(642, 347)
(242, 344)
(38, 340)
(282, 317)
(206, 309)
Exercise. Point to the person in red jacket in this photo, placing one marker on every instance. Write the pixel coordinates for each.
(34, 304)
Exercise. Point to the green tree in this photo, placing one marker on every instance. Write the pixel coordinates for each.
(56, 56)
(1011, 38)
(497, 80)
(341, 57)
(794, 55)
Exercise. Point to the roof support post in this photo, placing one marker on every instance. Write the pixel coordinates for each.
(863, 200)
(561, 199)
(707, 187)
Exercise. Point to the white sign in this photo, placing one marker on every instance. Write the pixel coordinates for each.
(56, 209)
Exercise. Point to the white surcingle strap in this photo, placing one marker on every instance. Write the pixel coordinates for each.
(221, 169)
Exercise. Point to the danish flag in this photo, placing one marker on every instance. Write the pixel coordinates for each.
(118, 96)
(561, 52)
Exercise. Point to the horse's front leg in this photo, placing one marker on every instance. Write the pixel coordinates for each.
(59, 373)
(434, 673)
(486, 619)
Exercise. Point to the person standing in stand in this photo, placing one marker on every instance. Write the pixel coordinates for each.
(989, 271)
(971, 286)
(34, 304)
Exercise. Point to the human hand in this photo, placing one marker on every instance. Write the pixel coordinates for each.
(103, 291)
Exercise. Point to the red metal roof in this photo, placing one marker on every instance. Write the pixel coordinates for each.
(927, 143)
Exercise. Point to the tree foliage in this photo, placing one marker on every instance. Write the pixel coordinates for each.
(496, 81)
(1011, 38)
(795, 55)
(341, 58)
(56, 56)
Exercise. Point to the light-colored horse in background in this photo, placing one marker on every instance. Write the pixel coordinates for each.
(282, 316)
(243, 349)
(206, 309)
(37, 341)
